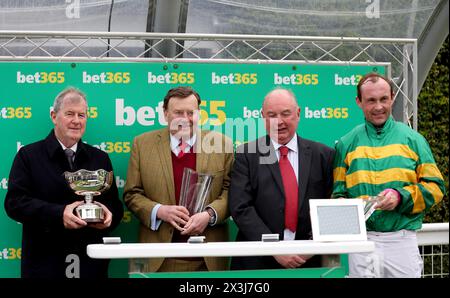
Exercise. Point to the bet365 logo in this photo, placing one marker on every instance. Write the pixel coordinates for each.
(41, 77)
(11, 253)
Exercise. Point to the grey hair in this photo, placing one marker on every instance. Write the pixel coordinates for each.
(61, 96)
(289, 91)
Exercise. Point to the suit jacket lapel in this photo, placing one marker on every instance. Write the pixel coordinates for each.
(304, 167)
(165, 157)
(272, 162)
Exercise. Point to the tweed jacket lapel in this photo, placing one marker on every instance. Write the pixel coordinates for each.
(165, 157)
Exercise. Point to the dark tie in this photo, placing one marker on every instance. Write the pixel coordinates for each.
(182, 146)
(290, 190)
(70, 154)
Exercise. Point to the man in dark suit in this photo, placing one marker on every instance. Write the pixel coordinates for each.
(54, 239)
(272, 180)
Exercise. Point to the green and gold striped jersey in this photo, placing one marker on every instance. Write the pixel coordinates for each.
(369, 160)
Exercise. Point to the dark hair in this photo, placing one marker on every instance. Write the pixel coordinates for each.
(373, 77)
(181, 92)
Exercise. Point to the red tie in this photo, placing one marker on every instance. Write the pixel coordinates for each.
(290, 189)
(181, 147)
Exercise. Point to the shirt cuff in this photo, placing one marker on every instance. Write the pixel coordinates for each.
(154, 222)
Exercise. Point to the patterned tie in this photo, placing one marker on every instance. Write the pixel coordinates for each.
(182, 146)
(70, 154)
(290, 189)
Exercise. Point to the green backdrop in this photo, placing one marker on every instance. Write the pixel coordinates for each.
(125, 100)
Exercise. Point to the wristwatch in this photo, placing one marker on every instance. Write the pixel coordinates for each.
(212, 215)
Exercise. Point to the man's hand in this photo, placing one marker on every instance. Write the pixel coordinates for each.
(106, 221)
(70, 220)
(175, 215)
(292, 261)
(390, 199)
(196, 224)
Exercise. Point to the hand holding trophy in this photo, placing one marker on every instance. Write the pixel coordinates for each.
(89, 184)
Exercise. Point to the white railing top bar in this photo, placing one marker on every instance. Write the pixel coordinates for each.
(430, 234)
(433, 234)
(215, 249)
(434, 227)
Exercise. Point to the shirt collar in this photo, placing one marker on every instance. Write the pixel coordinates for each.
(380, 131)
(292, 144)
(174, 142)
(55, 148)
(74, 147)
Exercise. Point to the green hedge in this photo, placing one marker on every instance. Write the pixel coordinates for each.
(433, 118)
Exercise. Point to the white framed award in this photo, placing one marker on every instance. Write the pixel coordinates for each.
(338, 219)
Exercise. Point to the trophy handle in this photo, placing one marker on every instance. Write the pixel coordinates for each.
(108, 180)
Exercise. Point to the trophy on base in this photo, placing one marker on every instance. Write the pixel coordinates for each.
(195, 188)
(89, 184)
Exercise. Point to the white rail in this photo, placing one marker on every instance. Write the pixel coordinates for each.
(433, 246)
(433, 234)
(430, 234)
(215, 249)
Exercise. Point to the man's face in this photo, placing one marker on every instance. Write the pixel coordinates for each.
(281, 114)
(376, 101)
(182, 116)
(70, 120)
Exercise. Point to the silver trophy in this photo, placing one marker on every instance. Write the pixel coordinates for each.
(370, 205)
(195, 188)
(89, 184)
